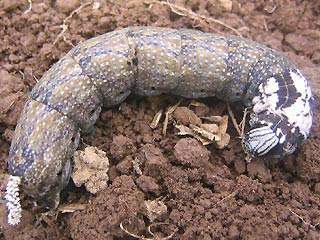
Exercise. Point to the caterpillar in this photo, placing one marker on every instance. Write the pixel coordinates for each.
(149, 61)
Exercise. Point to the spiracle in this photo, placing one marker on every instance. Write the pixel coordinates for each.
(148, 61)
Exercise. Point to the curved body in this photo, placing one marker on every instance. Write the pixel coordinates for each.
(148, 61)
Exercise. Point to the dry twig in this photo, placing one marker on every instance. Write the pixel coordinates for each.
(64, 26)
(154, 237)
(233, 194)
(302, 219)
(167, 115)
(29, 8)
(156, 119)
(234, 121)
(181, 11)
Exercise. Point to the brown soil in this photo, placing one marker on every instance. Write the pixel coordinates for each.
(201, 192)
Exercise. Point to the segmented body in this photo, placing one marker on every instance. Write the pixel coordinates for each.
(150, 61)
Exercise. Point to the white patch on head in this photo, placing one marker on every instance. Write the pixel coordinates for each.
(271, 86)
(260, 106)
(268, 98)
(300, 83)
(298, 114)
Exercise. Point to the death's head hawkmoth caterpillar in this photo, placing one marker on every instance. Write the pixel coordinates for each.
(148, 61)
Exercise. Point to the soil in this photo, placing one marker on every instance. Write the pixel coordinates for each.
(193, 191)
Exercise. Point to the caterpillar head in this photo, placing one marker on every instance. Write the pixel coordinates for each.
(259, 141)
(271, 135)
(281, 115)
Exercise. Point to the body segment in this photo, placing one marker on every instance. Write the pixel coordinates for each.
(149, 61)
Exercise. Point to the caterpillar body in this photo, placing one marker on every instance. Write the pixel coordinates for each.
(148, 61)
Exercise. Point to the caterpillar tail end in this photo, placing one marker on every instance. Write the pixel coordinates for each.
(41, 152)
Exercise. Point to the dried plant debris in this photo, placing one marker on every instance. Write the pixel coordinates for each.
(91, 169)
(156, 119)
(168, 115)
(70, 208)
(205, 133)
(136, 166)
(155, 209)
(214, 132)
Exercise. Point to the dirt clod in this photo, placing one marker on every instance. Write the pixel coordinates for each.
(67, 5)
(91, 169)
(148, 184)
(122, 202)
(259, 170)
(185, 116)
(189, 152)
(122, 147)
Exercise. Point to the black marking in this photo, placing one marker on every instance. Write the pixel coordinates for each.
(287, 92)
(135, 61)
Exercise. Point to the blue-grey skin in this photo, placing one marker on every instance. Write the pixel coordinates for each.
(148, 61)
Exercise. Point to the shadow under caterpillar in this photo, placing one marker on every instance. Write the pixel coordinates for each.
(148, 61)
